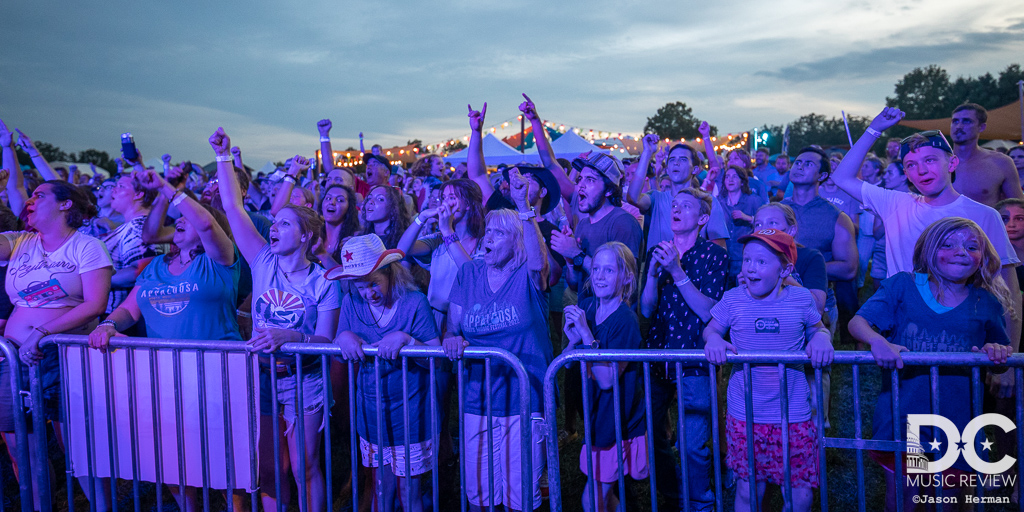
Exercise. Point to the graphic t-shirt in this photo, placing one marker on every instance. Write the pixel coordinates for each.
(413, 317)
(198, 304)
(126, 248)
(281, 304)
(905, 317)
(778, 324)
(37, 279)
(620, 331)
(513, 317)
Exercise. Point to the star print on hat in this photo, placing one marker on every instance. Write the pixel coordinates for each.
(363, 255)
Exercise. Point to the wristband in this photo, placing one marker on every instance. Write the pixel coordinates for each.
(224, 158)
(418, 220)
(289, 179)
(43, 330)
(177, 198)
(108, 322)
(450, 239)
(325, 139)
(305, 338)
(683, 281)
(243, 314)
(871, 131)
(527, 215)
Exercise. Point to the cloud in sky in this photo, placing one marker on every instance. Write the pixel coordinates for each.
(78, 75)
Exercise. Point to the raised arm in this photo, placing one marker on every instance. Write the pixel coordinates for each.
(216, 242)
(533, 240)
(37, 158)
(153, 229)
(475, 165)
(326, 152)
(845, 174)
(547, 154)
(635, 195)
(249, 240)
(709, 152)
(16, 193)
(410, 243)
(649, 296)
(294, 174)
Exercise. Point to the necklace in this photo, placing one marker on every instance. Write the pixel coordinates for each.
(383, 313)
(46, 254)
(181, 263)
(286, 272)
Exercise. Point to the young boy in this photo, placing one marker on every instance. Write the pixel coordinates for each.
(929, 164)
(764, 314)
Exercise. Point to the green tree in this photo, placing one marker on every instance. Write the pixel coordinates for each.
(94, 156)
(415, 143)
(815, 129)
(675, 121)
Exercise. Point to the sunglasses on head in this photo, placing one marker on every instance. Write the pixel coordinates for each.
(926, 134)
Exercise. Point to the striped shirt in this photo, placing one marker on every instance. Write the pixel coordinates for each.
(768, 325)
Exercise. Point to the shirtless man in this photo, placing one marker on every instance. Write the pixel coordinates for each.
(983, 175)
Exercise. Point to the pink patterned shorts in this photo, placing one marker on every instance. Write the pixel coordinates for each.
(768, 462)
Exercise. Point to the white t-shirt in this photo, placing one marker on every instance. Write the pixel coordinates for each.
(906, 216)
(37, 279)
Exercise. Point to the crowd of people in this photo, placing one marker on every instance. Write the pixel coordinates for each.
(678, 248)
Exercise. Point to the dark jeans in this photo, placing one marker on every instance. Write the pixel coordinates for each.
(693, 448)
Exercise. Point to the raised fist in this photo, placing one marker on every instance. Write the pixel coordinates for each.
(324, 126)
(299, 164)
(220, 142)
(166, 158)
(704, 129)
(650, 142)
(236, 151)
(476, 117)
(889, 117)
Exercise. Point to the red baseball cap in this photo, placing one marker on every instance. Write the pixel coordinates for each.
(779, 241)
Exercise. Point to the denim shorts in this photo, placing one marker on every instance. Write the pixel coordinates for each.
(287, 395)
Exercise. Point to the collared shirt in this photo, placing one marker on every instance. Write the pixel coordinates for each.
(675, 325)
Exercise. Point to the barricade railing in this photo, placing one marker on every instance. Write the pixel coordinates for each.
(743, 363)
(21, 405)
(129, 364)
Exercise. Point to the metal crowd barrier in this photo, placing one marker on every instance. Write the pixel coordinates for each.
(743, 363)
(22, 403)
(151, 345)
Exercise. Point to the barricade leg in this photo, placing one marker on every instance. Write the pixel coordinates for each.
(18, 441)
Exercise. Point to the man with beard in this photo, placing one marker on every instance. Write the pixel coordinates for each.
(600, 199)
(983, 175)
(681, 164)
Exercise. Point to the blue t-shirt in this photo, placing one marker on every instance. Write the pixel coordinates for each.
(513, 317)
(900, 313)
(620, 331)
(199, 304)
(413, 317)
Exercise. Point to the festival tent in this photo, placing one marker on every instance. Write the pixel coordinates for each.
(496, 152)
(1003, 123)
(570, 145)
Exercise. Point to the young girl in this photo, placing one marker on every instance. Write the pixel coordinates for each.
(387, 312)
(765, 314)
(953, 302)
(605, 321)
